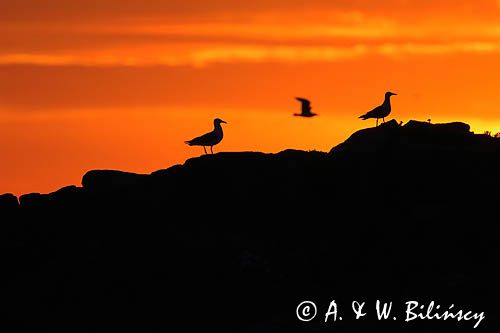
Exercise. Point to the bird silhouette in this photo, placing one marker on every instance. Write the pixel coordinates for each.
(209, 139)
(305, 108)
(380, 111)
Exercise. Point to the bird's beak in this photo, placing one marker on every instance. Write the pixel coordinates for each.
(223, 122)
(393, 93)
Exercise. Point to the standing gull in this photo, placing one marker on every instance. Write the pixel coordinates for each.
(380, 111)
(305, 108)
(210, 139)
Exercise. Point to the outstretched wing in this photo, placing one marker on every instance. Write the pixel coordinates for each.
(306, 105)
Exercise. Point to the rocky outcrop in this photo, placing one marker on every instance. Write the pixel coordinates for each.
(110, 180)
(415, 136)
(8, 202)
(395, 212)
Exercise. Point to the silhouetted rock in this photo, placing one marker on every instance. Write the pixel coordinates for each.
(415, 137)
(395, 212)
(66, 191)
(370, 140)
(31, 199)
(106, 180)
(419, 128)
(8, 202)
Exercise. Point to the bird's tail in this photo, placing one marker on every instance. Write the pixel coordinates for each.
(188, 143)
(364, 117)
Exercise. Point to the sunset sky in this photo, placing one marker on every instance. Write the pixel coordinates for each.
(121, 84)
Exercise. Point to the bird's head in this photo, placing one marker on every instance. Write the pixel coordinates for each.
(218, 121)
(389, 94)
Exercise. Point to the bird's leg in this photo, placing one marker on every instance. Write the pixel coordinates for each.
(205, 150)
(211, 149)
(383, 119)
(376, 123)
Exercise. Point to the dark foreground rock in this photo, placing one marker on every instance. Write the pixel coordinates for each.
(8, 202)
(233, 242)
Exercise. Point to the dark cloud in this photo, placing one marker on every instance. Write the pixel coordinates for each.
(64, 10)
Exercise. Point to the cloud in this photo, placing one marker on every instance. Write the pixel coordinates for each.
(206, 55)
(202, 32)
(93, 10)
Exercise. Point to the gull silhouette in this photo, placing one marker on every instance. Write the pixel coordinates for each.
(305, 108)
(380, 111)
(209, 139)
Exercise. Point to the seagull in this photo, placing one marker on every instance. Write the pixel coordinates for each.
(211, 138)
(380, 111)
(305, 108)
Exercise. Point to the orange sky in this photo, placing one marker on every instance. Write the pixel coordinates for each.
(120, 84)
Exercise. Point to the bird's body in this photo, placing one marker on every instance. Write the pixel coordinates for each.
(305, 108)
(209, 139)
(381, 111)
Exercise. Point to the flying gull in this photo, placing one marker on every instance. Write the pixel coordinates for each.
(305, 108)
(210, 139)
(380, 111)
